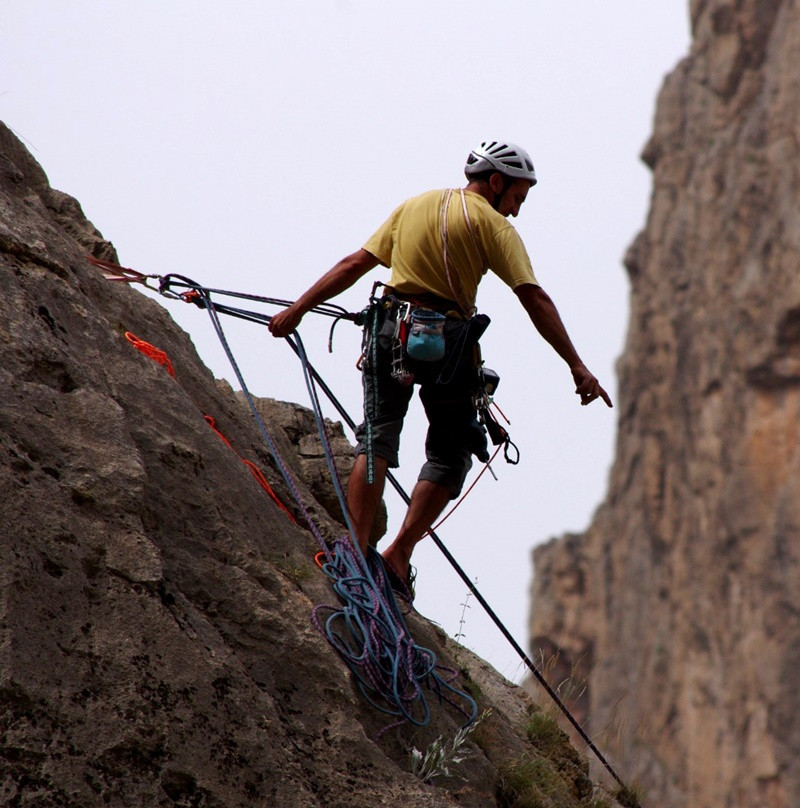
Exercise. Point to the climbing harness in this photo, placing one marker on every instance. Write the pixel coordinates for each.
(389, 671)
(410, 329)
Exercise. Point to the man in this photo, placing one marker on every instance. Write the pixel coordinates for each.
(439, 245)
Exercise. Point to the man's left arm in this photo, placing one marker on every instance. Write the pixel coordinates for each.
(545, 317)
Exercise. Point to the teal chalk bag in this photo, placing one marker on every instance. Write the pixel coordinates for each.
(426, 335)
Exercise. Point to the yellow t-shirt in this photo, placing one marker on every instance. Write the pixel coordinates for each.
(411, 242)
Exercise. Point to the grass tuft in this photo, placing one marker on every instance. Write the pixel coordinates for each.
(440, 757)
(629, 796)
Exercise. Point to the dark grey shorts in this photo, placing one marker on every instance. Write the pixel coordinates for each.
(446, 389)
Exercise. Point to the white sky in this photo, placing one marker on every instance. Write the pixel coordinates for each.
(250, 145)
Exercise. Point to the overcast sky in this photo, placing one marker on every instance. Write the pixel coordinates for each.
(250, 145)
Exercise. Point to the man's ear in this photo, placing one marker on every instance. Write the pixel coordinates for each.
(496, 183)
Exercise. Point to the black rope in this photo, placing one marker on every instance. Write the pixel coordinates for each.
(179, 281)
(172, 281)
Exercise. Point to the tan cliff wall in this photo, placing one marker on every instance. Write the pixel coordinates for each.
(682, 598)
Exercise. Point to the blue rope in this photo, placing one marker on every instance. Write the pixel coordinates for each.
(316, 408)
(370, 634)
(367, 630)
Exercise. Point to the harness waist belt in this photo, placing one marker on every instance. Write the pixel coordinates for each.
(426, 300)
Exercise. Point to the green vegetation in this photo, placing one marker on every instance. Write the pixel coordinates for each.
(470, 685)
(532, 782)
(552, 775)
(545, 734)
(629, 796)
(440, 757)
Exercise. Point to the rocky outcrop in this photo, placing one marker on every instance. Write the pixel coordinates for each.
(681, 599)
(307, 456)
(156, 642)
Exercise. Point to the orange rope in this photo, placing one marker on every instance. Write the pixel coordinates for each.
(258, 475)
(463, 496)
(160, 356)
(151, 351)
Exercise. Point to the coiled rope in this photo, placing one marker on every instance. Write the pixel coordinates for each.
(371, 636)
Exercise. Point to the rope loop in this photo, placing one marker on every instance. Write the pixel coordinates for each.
(509, 444)
(151, 352)
(370, 634)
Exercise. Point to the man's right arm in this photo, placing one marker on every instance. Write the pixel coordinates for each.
(342, 276)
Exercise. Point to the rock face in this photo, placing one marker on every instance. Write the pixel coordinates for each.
(680, 603)
(156, 642)
(308, 457)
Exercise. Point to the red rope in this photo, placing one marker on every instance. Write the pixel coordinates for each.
(160, 356)
(151, 351)
(464, 495)
(505, 417)
(258, 475)
(115, 272)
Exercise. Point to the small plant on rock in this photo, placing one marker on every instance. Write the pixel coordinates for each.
(439, 757)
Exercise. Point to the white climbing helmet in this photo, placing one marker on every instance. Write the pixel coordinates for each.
(502, 156)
